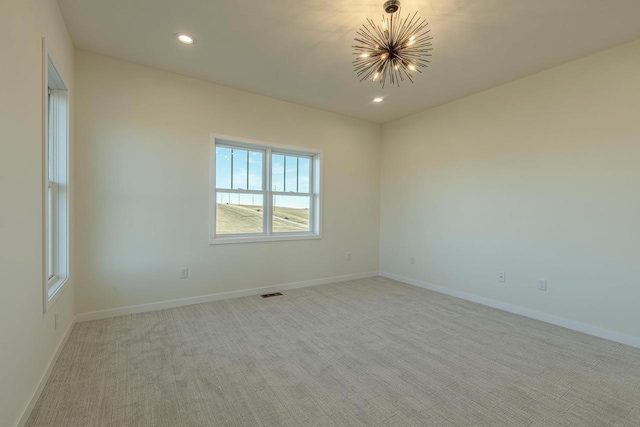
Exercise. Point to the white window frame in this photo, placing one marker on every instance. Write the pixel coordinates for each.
(55, 182)
(315, 208)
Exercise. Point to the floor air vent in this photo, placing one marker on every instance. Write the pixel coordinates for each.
(271, 295)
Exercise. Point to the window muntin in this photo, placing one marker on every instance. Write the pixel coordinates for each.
(262, 192)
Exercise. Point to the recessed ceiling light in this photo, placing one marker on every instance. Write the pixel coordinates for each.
(378, 99)
(185, 38)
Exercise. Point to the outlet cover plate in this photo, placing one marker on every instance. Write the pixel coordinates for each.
(542, 284)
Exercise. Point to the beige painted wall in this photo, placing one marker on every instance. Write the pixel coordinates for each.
(538, 178)
(27, 337)
(143, 180)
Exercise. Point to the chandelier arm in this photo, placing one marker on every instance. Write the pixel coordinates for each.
(426, 47)
(373, 37)
(365, 67)
(407, 25)
(392, 28)
(408, 74)
(370, 41)
(395, 75)
(366, 32)
(366, 74)
(420, 32)
(417, 27)
(423, 39)
(418, 55)
(422, 24)
(378, 32)
(368, 64)
(415, 55)
(420, 46)
(419, 52)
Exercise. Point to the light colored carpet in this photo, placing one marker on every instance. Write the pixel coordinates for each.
(368, 352)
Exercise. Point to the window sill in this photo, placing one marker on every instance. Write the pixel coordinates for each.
(258, 239)
(55, 290)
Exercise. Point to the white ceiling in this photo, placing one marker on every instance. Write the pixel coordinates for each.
(300, 50)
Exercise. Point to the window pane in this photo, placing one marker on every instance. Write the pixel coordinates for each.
(50, 225)
(239, 213)
(223, 167)
(240, 168)
(255, 170)
(291, 213)
(291, 174)
(277, 172)
(304, 175)
(50, 148)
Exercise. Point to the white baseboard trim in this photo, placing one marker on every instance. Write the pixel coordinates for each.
(544, 317)
(45, 377)
(96, 315)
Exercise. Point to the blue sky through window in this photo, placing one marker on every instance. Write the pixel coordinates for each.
(290, 173)
(244, 166)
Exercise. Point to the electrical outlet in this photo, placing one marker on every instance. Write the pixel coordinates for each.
(502, 277)
(542, 284)
(55, 321)
(184, 273)
(349, 256)
(412, 260)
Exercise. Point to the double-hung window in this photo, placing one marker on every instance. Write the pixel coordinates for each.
(263, 192)
(56, 185)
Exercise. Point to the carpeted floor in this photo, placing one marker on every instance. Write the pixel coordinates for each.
(370, 352)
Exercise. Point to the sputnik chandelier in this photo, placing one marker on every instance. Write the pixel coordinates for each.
(393, 50)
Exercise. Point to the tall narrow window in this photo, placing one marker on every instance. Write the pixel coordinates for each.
(56, 184)
(262, 192)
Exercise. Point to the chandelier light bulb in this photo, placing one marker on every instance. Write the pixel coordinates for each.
(393, 50)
